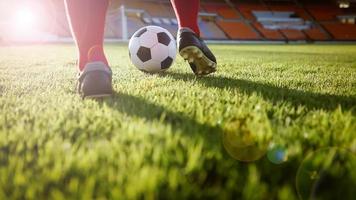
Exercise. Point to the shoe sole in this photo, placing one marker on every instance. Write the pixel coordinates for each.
(194, 55)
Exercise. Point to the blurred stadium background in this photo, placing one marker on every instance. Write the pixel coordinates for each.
(220, 20)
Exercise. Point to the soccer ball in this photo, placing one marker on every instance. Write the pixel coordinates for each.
(152, 49)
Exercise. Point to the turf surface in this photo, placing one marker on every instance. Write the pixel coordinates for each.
(164, 135)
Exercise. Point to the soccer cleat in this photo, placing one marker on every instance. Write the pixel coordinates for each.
(193, 49)
(95, 80)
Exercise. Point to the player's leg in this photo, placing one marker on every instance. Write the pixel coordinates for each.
(87, 21)
(191, 46)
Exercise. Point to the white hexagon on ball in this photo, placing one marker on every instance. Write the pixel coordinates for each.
(148, 39)
(152, 66)
(159, 52)
(152, 49)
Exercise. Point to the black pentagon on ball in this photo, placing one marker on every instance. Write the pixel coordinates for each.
(140, 32)
(166, 63)
(144, 54)
(163, 38)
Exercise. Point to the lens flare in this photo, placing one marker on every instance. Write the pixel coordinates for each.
(277, 154)
(247, 139)
(327, 174)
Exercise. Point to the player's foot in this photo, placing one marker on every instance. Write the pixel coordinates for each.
(193, 49)
(95, 80)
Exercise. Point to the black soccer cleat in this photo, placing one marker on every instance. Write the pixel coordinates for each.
(95, 81)
(193, 49)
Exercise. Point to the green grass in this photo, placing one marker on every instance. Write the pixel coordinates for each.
(163, 135)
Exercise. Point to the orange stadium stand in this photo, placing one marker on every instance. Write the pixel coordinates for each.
(293, 34)
(324, 12)
(341, 31)
(315, 34)
(298, 10)
(238, 30)
(211, 30)
(247, 8)
(268, 33)
(223, 10)
(235, 23)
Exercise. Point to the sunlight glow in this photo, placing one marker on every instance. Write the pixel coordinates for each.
(25, 19)
(32, 22)
(26, 25)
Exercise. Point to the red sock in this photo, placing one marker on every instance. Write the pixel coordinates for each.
(87, 20)
(187, 13)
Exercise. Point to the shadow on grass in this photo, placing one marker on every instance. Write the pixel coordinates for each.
(139, 107)
(212, 135)
(273, 93)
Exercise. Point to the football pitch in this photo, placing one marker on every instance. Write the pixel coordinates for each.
(257, 129)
